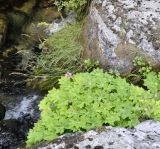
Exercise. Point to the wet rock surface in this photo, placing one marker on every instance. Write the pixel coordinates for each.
(12, 133)
(21, 114)
(144, 136)
(116, 32)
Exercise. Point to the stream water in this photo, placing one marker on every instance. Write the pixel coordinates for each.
(21, 113)
(21, 103)
(17, 106)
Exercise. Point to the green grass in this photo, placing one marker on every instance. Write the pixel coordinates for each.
(61, 53)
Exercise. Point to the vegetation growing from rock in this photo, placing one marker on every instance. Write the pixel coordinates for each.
(89, 100)
(61, 53)
(76, 5)
(84, 100)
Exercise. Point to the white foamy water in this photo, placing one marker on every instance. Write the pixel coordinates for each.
(25, 106)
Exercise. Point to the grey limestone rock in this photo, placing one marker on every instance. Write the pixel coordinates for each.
(115, 32)
(144, 136)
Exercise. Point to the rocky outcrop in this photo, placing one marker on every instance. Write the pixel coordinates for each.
(115, 32)
(144, 136)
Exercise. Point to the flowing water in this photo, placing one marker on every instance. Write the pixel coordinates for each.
(21, 103)
(21, 113)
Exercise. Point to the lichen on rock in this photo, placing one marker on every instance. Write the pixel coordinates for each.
(118, 31)
(144, 136)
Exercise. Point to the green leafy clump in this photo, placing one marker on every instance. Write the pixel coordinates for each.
(138, 74)
(61, 53)
(89, 100)
(76, 5)
(90, 65)
(151, 79)
(152, 82)
(142, 66)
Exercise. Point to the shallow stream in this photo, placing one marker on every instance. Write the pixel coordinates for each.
(21, 113)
